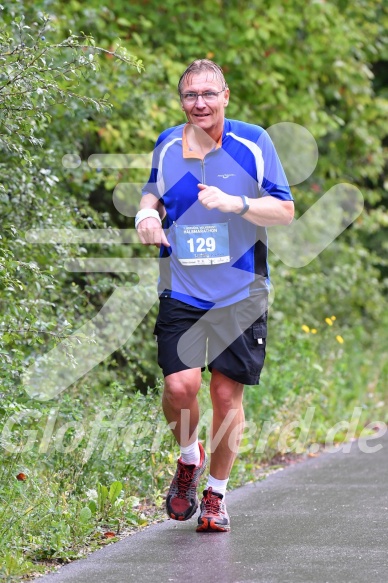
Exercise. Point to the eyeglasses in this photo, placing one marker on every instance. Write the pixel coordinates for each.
(208, 96)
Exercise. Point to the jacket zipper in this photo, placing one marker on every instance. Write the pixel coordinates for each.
(203, 171)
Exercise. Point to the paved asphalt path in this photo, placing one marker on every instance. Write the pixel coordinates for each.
(323, 520)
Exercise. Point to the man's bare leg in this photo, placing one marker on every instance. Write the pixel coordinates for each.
(180, 393)
(180, 406)
(226, 431)
(227, 397)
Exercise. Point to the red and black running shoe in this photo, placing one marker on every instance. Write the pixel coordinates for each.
(182, 500)
(213, 517)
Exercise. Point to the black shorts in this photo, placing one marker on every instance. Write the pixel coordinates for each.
(231, 339)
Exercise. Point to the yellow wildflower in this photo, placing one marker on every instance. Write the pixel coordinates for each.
(339, 339)
(328, 321)
(305, 328)
(313, 330)
(333, 318)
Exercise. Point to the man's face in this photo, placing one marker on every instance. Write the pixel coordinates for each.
(208, 116)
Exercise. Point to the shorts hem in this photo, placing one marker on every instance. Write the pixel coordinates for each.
(244, 380)
(180, 369)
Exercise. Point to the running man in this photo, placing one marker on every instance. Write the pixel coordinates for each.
(216, 184)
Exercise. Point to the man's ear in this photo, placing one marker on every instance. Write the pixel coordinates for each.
(226, 98)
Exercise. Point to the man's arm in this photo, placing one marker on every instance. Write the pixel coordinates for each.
(264, 211)
(268, 210)
(149, 229)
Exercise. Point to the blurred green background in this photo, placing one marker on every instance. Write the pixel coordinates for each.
(111, 89)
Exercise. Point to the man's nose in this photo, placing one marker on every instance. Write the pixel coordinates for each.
(200, 103)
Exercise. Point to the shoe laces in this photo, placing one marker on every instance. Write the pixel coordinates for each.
(184, 479)
(212, 502)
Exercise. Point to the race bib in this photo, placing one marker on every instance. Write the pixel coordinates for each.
(203, 244)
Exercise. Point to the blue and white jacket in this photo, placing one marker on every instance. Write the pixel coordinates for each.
(244, 162)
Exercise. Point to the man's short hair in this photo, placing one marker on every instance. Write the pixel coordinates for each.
(200, 66)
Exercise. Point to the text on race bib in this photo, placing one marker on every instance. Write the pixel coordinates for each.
(203, 244)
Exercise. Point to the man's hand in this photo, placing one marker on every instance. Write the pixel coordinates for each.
(213, 198)
(151, 233)
(264, 211)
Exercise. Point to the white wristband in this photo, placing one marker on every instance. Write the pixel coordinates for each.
(146, 214)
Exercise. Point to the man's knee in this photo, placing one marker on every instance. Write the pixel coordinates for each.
(226, 393)
(181, 388)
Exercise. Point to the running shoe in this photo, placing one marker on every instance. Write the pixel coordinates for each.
(182, 500)
(213, 517)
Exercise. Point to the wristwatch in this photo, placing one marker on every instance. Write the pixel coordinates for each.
(245, 208)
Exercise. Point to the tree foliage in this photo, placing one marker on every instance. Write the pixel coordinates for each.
(70, 87)
(314, 63)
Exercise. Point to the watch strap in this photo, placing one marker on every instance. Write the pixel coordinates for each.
(245, 203)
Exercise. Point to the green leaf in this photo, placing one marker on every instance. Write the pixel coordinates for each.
(102, 492)
(114, 491)
(93, 506)
(85, 515)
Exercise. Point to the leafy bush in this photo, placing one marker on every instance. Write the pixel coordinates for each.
(96, 460)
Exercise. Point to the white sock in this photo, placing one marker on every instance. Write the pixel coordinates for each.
(218, 486)
(191, 454)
